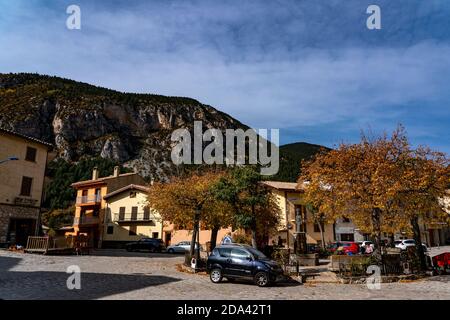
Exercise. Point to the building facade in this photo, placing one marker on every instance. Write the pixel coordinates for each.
(293, 207)
(129, 218)
(90, 203)
(22, 169)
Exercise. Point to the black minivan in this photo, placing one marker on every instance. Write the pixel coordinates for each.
(237, 261)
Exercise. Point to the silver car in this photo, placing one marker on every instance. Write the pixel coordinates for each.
(180, 247)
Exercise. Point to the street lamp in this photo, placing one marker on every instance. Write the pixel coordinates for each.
(12, 158)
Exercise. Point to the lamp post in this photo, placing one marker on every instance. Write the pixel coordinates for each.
(12, 158)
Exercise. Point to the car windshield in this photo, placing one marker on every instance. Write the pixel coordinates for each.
(409, 241)
(257, 254)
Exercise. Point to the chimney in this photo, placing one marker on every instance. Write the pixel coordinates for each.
(116, 171)
(95, 173)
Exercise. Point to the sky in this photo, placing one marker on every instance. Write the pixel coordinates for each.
(308, 67)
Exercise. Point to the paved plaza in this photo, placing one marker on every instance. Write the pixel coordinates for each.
(117, 274)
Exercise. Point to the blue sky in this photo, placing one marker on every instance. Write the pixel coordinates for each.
(310, 68)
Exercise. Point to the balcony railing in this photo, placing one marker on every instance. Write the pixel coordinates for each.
(94, 198)
(119, 217)
(85, 220)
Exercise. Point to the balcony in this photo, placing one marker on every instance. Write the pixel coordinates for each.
(130, 217)
(86, 220)
(90, 199)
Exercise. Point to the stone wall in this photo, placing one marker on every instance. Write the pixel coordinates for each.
(9, 211)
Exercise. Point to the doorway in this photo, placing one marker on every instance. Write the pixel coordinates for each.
(167, 238)
(20, 230)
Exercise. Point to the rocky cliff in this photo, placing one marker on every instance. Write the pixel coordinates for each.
(82, 120)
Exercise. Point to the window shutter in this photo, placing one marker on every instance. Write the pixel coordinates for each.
(121, 213)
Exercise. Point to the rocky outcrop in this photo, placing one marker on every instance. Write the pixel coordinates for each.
(86, 121)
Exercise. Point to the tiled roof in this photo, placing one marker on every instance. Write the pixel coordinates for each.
(128, 187)
(281, 185)
(99, 180)
(13, 133)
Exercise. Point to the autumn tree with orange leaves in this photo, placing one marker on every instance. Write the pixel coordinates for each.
(187, 201)
(382, 184)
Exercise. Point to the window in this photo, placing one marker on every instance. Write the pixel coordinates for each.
(31, 154)
(110, 230)
(133, 194)
(225, 252)
(345, 219)
(239, 254)
(133, 231)
(25, 190)
(155, 235)
(121, 213)
(134, 211)
(316, 227)
(146, 213)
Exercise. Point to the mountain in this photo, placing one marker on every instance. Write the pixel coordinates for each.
(291, 156)
(85, 121)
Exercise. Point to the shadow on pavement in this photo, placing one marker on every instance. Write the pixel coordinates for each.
(53, 285)
(125, 253)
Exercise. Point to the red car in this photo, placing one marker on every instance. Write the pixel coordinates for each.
(347, 247)
(350, 247)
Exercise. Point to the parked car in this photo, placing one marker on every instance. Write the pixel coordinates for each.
(347, 247)
(404, 244)
(366, 243)
(181, 247)
(146, 244)
(238, 261)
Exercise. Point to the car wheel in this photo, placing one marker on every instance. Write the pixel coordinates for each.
(262, 279)
(216, 275)
(171, 250)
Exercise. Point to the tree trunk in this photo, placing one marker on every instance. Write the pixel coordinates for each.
(194, 234)
(376, 222)
(213, 240)
(253, 228)
(322, 236)
(254, 244)
(418, 239)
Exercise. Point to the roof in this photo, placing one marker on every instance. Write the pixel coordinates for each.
(281, 185)
(126, 188)
(13, 133)
(100, 180)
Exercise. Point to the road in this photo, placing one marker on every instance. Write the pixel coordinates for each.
(117, 274)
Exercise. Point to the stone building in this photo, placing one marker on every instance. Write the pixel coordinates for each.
(22, 169)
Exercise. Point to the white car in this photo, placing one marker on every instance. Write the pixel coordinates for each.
(404, 244)
(181, 247)
(366, 243)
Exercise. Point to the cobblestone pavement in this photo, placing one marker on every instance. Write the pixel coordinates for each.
(117, 274)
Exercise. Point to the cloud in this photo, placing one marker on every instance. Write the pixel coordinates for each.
(284, 64)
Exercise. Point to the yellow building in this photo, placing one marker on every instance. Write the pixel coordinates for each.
(22, 168)
(90, 205)
(172, 235)
(128, 218)
(291, 204)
